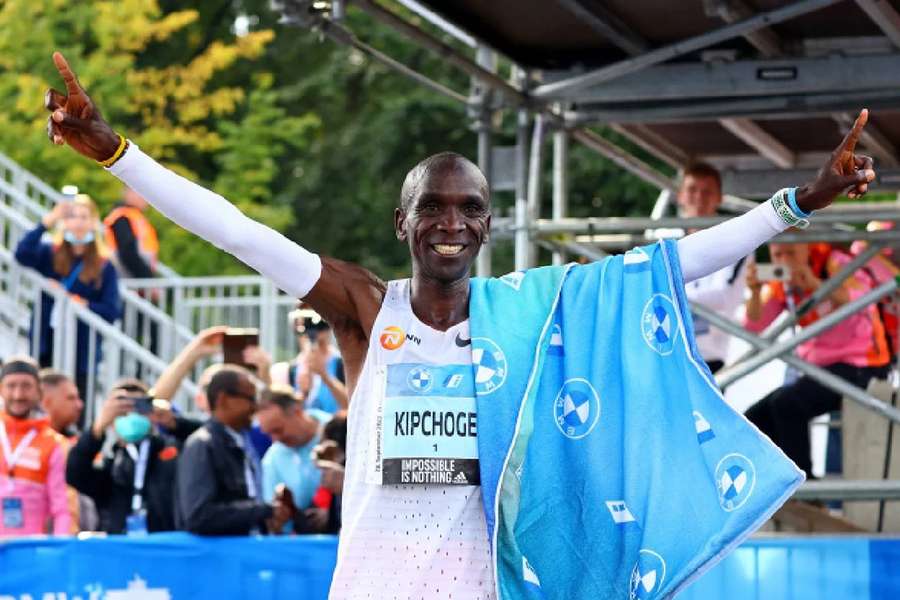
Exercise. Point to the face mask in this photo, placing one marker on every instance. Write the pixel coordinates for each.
(132, 428)
(70, 237)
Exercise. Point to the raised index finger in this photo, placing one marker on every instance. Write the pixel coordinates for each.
(72, 85)
(849, 142)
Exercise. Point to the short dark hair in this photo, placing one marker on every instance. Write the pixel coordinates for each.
(336, 429)
(52, 377)
(20, 364)
(225, 381)
(437, 162)
(131, 384)
(703, 169)
(282, 396)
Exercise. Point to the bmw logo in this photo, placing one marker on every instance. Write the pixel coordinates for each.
(490, 366)
(647, 576)
(735, 478)
(576, 409)
(419, 379)
(659, 324)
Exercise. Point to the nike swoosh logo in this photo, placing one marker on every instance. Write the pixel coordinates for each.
(461, 342)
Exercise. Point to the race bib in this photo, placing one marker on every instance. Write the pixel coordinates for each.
(426, 427)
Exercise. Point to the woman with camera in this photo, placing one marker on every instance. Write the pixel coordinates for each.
(855, 349)
(77, 260)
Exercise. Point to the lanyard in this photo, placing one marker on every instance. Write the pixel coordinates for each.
(12, 456)
(69, 281)
(141, 458)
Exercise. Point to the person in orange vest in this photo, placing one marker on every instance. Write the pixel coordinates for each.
(131, 237)
(135, 247)
(32, 458)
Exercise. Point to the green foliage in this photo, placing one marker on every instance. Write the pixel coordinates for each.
(308, 136)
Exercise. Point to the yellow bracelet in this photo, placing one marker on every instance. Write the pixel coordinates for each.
(117, 155)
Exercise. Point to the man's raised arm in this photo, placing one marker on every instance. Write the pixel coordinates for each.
(712, 249)
(76, 121)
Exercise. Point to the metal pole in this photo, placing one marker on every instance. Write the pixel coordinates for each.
(624, 224)
(824, 291)
(733, 373)
(447, 52)
(560, 182)
(849, 491)
(533, 206)
(521, 233)
(824, 377)
(487, 60)
(765, 19)
(620, 157)
(341, 35)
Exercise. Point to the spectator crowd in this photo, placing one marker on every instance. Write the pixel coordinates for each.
(259, 458)
(265, 451)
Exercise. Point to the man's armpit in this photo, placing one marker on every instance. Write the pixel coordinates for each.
(347, 292)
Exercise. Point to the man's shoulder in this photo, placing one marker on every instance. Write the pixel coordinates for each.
(203, 436)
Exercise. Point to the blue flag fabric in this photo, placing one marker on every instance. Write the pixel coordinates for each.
(611, 467)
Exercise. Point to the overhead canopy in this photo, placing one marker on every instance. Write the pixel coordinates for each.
(763, 89)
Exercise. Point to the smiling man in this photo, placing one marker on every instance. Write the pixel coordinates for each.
(409, 352)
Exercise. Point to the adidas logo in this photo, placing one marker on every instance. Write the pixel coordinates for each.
(460, 478)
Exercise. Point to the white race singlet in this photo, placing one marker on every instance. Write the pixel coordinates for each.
(410, 541)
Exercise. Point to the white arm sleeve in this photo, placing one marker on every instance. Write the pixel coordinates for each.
(207, 214)
(715, 248)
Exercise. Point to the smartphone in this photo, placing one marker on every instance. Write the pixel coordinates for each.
(773, 272)
(234, 342)
(143, 405)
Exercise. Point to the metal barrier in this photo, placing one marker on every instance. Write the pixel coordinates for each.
(196, 303)
(20, 296)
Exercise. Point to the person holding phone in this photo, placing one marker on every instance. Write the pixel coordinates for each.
(78, 261)
(134, 482)
(317, 372)
(855, 349)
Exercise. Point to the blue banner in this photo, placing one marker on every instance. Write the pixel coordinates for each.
(178, 566)
(167, 566)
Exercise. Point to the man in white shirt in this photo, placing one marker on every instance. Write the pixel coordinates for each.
(700, 195)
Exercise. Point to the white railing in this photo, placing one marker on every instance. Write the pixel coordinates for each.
(180, 305)
(196, 303)
(21, 290)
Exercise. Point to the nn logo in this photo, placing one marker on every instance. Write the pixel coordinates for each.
(392, 337)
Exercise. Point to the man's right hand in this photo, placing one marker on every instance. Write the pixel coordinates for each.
(115, 405)
(74, 120)
(208, 342)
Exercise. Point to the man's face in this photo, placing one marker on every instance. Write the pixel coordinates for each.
(62, 403)
(699, 196)
(792, 255)
(279, 424)
(237, 407)
(20, 393)
(446, 223)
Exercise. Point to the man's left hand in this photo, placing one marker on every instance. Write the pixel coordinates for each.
(844, 172)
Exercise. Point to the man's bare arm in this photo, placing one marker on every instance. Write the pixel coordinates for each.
(341, 291)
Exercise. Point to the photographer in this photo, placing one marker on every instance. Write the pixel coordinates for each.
(855, 349)
(317, 372)
(133, 483)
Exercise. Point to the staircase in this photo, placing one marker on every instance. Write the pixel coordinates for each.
(181, 307)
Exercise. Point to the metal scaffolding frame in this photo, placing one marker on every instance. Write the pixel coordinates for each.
(745, 97)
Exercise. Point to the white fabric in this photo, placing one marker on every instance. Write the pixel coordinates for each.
(296, 270)
(399, 541)
(212, 217)
(723, 292)
(140, 458)
(715, 248)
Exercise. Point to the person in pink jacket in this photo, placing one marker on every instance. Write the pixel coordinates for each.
(33, 498)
